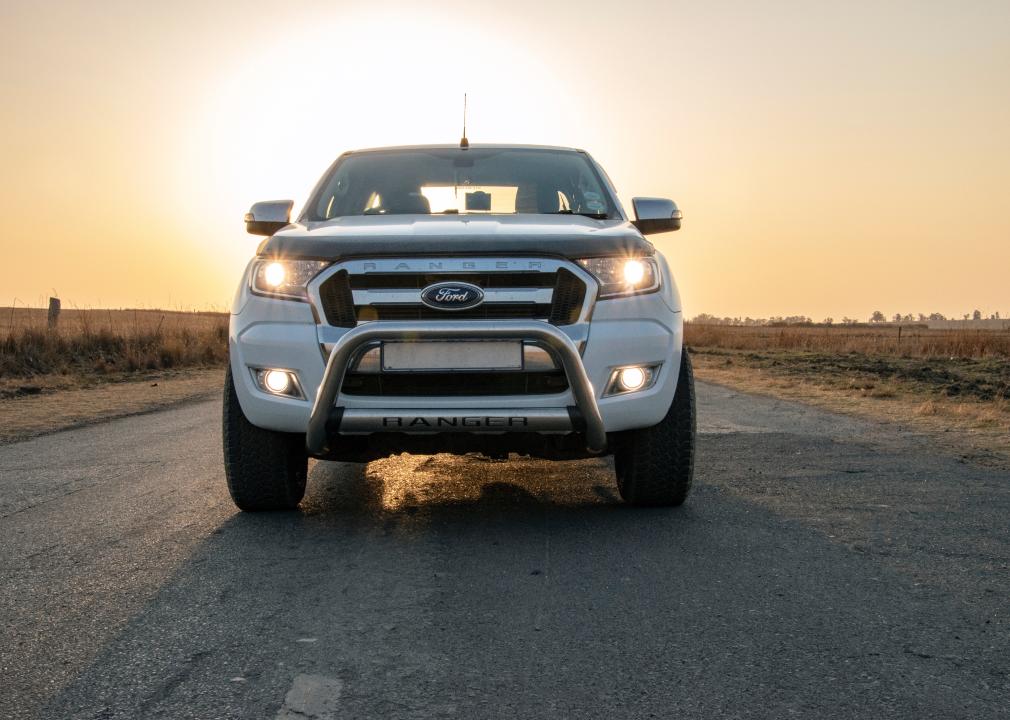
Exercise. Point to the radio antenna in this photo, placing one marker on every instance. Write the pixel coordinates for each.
(463, 142)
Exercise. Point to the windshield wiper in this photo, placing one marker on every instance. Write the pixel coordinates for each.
(594, 216)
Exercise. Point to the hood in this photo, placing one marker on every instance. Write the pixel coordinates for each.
(569, 236)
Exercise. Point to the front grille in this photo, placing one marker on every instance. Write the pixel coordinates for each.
(455, 384)
(336, 294)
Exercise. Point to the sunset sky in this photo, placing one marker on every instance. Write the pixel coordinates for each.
(830, 158)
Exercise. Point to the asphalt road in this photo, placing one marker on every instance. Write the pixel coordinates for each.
(823, 567)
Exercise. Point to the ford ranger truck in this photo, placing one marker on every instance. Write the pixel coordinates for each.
(475, 298)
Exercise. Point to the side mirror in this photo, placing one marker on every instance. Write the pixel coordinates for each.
(266, 218)
(656, 215)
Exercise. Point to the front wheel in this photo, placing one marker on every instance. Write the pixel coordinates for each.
(655, 465)
(265, 469)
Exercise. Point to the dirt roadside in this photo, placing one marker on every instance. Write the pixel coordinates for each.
(976, 429)
(50, 404)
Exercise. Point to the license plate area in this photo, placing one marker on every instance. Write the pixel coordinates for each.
(448, 355)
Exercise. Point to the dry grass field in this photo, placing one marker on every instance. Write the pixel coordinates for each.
(954, 383)
(910, 341)
(92, 344)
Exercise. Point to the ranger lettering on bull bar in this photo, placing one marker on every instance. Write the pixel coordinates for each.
(546, 323)
(464, 421)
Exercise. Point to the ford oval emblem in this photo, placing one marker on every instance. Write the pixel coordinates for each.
(452, 296)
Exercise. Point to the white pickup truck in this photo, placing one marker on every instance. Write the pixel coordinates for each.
(473, 298)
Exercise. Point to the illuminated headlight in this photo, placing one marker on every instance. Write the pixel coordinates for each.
(278, 382)
(633, 378)
(285, 278)
(623, 275)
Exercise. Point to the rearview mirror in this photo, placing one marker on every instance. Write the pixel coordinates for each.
(266, 218)
(656, 215)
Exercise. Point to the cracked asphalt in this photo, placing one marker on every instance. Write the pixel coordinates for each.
(824, 567)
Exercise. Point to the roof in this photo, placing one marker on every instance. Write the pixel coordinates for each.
(472, 146)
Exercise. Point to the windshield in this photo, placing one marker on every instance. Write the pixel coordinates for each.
(455, 181)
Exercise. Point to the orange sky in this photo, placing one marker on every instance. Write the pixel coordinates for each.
(830, 158)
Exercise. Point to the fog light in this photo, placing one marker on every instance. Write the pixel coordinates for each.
(632, 378)
(277, 381)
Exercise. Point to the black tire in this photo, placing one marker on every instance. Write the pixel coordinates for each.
(265, 470)
(655, 466)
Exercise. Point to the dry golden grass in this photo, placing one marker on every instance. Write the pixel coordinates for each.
(95, 343)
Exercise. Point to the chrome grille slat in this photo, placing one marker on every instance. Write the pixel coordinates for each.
(381, 296)
(485, 311)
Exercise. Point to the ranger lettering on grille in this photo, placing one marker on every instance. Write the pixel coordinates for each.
(459, 265)
(490, 299)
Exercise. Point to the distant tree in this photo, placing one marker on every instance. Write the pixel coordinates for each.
(829, 321)
(897, 317)
(967, 316)
(849, 321)
(937, 317)
(877, 317)
(977, 315)
(997, 315)
(922, 317)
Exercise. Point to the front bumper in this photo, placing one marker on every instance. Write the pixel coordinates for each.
(271, 333)
(326, 418)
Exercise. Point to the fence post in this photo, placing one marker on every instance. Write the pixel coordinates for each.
(54, 312)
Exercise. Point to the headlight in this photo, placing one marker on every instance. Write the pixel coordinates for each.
(285, 278)
(623, 275)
